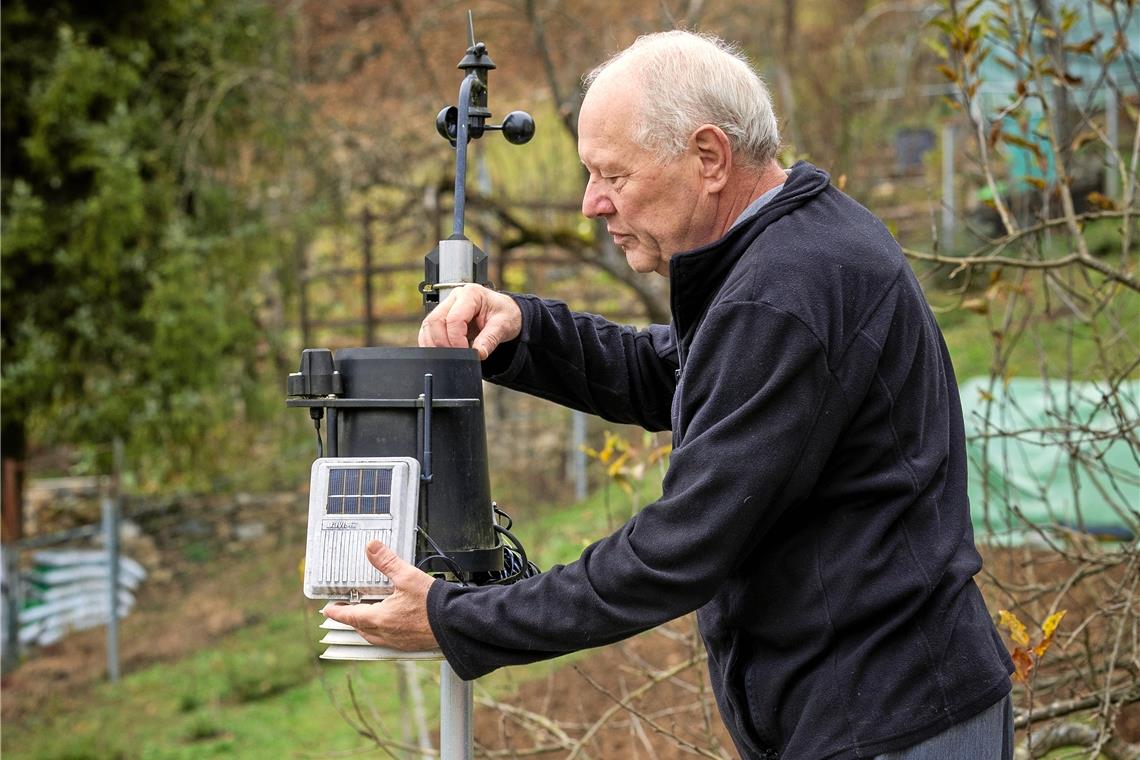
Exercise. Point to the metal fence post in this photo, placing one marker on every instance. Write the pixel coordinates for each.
(111, 507)
(577, 455)
(949, 204)
(1112, 132)
(10, 557)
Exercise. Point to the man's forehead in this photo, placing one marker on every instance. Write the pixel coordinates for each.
(605, 122)
(605, 144)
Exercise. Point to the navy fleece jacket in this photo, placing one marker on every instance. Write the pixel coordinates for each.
(814, 511)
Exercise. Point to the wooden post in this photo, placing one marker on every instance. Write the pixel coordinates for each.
(13, 444)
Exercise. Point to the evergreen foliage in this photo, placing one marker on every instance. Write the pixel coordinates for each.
(142, 152)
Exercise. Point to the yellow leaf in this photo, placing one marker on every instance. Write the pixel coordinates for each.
(614, 470)
(1101, 200)
(1048, 629)
(1052, 622)
(1017, 632)
(608, 450)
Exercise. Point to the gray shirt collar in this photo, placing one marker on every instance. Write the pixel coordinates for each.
(755, 206)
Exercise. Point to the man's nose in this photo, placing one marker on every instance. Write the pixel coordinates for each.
(595, 201)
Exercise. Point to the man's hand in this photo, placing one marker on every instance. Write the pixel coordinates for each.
(401, 620)
(472, 316)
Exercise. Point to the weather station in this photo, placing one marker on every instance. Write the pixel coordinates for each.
(406, 459)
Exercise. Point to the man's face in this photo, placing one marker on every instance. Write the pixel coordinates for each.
(652, 210)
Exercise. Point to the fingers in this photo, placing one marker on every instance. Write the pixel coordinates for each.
(472, 310)
(388, 562)
(485, 343)
(342, 613)
(448, 323)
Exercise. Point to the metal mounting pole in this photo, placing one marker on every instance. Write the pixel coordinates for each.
(456, 710)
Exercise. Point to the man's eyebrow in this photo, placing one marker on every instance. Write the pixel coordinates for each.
(604, 167)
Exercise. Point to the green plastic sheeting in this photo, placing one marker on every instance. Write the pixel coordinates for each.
(1052, 453)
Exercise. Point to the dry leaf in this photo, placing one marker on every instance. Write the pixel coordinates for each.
(1022, 664)
(1016, 628)
(976, 305)
(1101, 201)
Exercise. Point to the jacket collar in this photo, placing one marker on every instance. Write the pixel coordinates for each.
(695, 276)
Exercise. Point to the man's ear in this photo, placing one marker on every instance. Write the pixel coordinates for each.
(711, 147)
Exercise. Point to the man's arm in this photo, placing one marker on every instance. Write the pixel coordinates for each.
(760, 423)
(578, 360)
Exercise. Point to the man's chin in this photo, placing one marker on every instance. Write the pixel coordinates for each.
(639, 262)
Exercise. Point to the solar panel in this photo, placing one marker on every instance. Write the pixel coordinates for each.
(359, 491)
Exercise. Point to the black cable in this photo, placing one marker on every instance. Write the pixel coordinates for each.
(524, 563)
(501, 513)
(450, 562)
(439, 554)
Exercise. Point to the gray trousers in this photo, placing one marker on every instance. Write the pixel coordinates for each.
(986, 736)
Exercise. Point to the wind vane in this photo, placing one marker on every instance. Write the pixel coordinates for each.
(457, 261)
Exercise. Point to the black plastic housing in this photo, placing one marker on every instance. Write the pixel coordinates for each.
(455, 497)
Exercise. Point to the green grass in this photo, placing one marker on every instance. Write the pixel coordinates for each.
(262, 693)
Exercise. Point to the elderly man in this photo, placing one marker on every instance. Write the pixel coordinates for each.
(814, 513)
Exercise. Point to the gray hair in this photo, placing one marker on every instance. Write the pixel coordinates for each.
(689, 79)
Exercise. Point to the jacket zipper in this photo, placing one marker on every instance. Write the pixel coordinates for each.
(678, 433)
